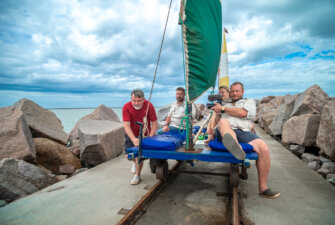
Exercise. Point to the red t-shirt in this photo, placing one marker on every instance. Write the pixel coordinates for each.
(129, 113)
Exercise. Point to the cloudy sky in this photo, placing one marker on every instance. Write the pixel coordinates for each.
(72, 53)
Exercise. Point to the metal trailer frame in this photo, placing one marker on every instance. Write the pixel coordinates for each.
(158, 160)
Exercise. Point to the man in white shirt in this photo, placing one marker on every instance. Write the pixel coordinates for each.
(176, 113)
(235, 126)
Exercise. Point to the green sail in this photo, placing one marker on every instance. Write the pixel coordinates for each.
(202, 37)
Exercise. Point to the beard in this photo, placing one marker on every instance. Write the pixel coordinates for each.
(180, 99)
(138, 107)
(235, 99)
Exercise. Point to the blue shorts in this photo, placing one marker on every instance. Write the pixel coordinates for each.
(127, 143)
(242, 136)
(171, 128)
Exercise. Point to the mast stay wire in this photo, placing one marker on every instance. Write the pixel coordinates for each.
(145, 122)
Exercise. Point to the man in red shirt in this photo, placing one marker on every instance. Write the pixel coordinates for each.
(135, 111)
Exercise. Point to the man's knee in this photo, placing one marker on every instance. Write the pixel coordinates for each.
(224, 123)
(160, 131)
(260, 146)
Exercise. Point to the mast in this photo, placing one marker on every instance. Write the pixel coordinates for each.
(201, 25)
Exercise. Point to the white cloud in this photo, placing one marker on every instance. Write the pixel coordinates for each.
(52, 65)
(112, 46)
(41, 39)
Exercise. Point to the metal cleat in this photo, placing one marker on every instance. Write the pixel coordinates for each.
(246, 163)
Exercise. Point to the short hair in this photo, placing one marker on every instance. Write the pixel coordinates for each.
(224, 87)
(180, 89)
(137, 93)
(237, 83)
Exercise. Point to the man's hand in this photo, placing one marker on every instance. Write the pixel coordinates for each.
(166, 128)
(136, 141)
(217, 108)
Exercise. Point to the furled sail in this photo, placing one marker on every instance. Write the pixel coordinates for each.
(202, 37)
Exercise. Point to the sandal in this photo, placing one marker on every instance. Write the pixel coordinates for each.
(233, 147)
(268, 193)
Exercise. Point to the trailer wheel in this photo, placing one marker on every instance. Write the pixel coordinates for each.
(153, 165)
(244, 173)
(162, 170)
(234, 175)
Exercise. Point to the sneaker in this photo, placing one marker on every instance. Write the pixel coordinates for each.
(136, 180)
(268, 193)
(233, 147)
(133, 168)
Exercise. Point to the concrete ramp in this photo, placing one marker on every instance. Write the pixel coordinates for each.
(92, 197)
(306, 198)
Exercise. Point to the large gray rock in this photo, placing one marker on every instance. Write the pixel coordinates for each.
(327, 168)
(267, 99)
(325, 139)
(315, 165)
(331, 178)
(161, 116)
(201, 107)
(15, 137)
(102, 112)
(52, 155)
(162, 113)
(198, 114)
(301, 130)
(267, 119)
(310, 101)
(282, 115)
(267, 107)
(100, 140)
(297, 150)
(42, 122)
(19, 178)
(307, 158)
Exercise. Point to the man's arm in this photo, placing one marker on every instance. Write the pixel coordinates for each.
(153, 128)
(237, 112)
(166, 124)
(194, 111)
(130, 133)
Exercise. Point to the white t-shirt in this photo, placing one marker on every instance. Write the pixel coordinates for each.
(177, 112)
(244, 124)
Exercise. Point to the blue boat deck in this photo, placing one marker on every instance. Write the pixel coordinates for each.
(201, 152)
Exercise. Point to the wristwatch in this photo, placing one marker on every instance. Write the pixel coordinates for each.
(222, 109)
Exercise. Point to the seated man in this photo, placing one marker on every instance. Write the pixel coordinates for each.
(176, 113)
(235, 125)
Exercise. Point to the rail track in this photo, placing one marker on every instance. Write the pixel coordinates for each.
(233, 216)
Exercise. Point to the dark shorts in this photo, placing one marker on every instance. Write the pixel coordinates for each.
(127, 143)
(242, 136)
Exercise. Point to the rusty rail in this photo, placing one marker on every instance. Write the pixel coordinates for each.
(126, 219)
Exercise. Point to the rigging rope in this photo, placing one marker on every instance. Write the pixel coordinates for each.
(145, 122)
(182, 5)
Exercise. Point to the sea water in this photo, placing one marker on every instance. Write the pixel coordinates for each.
(69, 117)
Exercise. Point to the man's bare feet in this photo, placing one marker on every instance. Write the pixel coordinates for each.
(210, 137)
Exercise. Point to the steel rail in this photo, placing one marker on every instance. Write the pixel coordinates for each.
(145, 199)
(139, 205)
(236, 219)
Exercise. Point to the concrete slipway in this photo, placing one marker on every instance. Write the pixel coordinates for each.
(97, 195)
